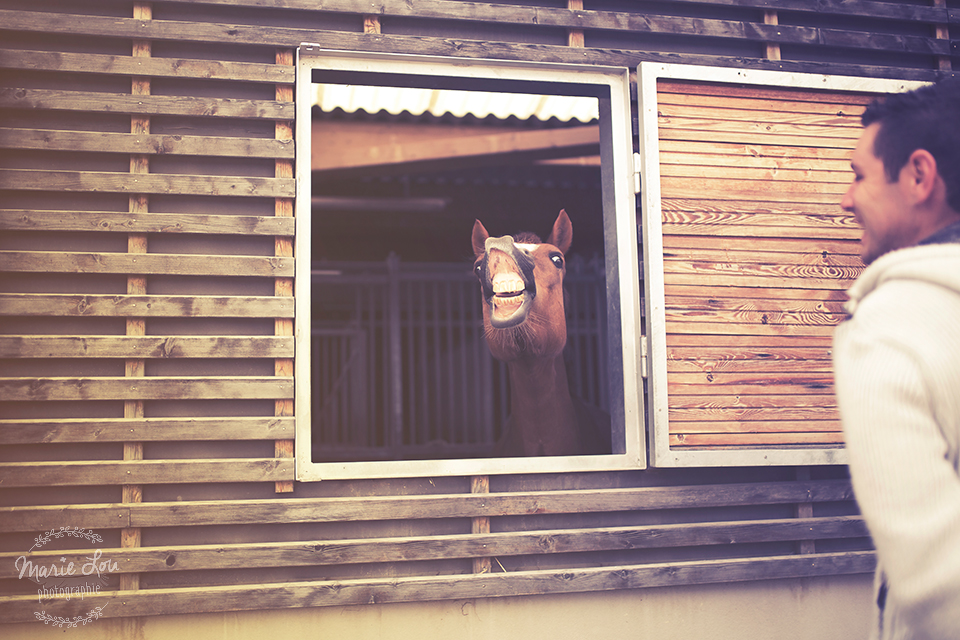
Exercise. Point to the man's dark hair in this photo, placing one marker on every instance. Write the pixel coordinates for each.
(925, 118)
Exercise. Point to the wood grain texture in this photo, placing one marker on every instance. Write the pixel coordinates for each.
(147, 388)
(143, 429)
(141, 472)
(83, 181)
(413, 507)
(30, 346)
(123, 222)
(354, 551)
(420, 589)
(122, 65)
(100, 102)
(147, 264)
(144, 143)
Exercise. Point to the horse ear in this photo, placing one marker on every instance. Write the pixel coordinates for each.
(562, 235)
(479, 238)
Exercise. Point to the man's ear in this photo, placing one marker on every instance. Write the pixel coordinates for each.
(921, 174)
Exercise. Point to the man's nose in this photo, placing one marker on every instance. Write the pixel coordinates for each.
(846, 202)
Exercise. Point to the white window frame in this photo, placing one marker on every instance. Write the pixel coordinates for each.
(661, 455)
(622, 266)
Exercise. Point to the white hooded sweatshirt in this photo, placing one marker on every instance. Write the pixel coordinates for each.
(897, 368)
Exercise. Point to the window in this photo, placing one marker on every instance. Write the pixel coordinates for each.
(397, 155)
(747, 259)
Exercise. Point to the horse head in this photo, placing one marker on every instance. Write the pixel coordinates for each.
(521, 281)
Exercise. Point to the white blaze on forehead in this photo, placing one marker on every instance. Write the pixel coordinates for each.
(526, 246)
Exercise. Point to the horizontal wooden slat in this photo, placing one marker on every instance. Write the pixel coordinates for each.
(720, 413)
(692, 203)
(806, 437)
(154, 67)
(694, 275)
(288, 37)
(37, 346)
(52, 99)
(34, 220)
(772, 408)
(763, 342)
(748, 316)
(779, 363)
(146, 388)
(737, 253)
(733, 329)
(787, 245)
(38, 180)
(745, 303)
(79, 305)
(694, 130)
(144, 264)
(774, 190)
(109, 472)
(794, 195)
(145, 144)
(334, 552)
(761, 98)
(770, 426)
(420, 589)
(634, 22)
(578, 18)
(691, 169)
(360, 508)
(800, 232)
(761, 150)
(751, 384)
(772, 362)
(706, 215)
(837, 170)
(775, 133)
(144, 429)
(569, 18)
(769, 117)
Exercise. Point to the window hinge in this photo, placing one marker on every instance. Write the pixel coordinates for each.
(644, 347)
(636, 174)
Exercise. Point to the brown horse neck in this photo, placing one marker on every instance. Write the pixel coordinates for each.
(541, 409)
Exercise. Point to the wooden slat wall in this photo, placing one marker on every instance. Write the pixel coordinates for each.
(757, 258)
(201, 221)
(336, 570)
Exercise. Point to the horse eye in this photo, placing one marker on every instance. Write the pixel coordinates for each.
(478, 269)
(557, 260)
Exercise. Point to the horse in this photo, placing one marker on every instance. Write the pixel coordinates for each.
(521, 284)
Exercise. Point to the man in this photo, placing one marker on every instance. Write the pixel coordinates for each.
(897, 359)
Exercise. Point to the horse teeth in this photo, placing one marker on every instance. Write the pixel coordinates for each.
(507, 283)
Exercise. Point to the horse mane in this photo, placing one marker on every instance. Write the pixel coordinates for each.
(526, 237)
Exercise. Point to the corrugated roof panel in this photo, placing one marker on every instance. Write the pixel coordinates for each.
(438, 102)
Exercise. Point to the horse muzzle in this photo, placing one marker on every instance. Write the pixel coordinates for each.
(506, 277)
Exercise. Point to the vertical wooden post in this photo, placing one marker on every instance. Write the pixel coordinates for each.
(283, 247)
(773, 49)
(371, 24)
(575, 37)
(136, 285)
(943, 33)
(480, 524)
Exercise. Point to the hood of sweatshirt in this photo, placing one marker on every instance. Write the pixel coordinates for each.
(937, 264)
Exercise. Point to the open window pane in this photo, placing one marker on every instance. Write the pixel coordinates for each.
(747, 259)
(397, 158)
